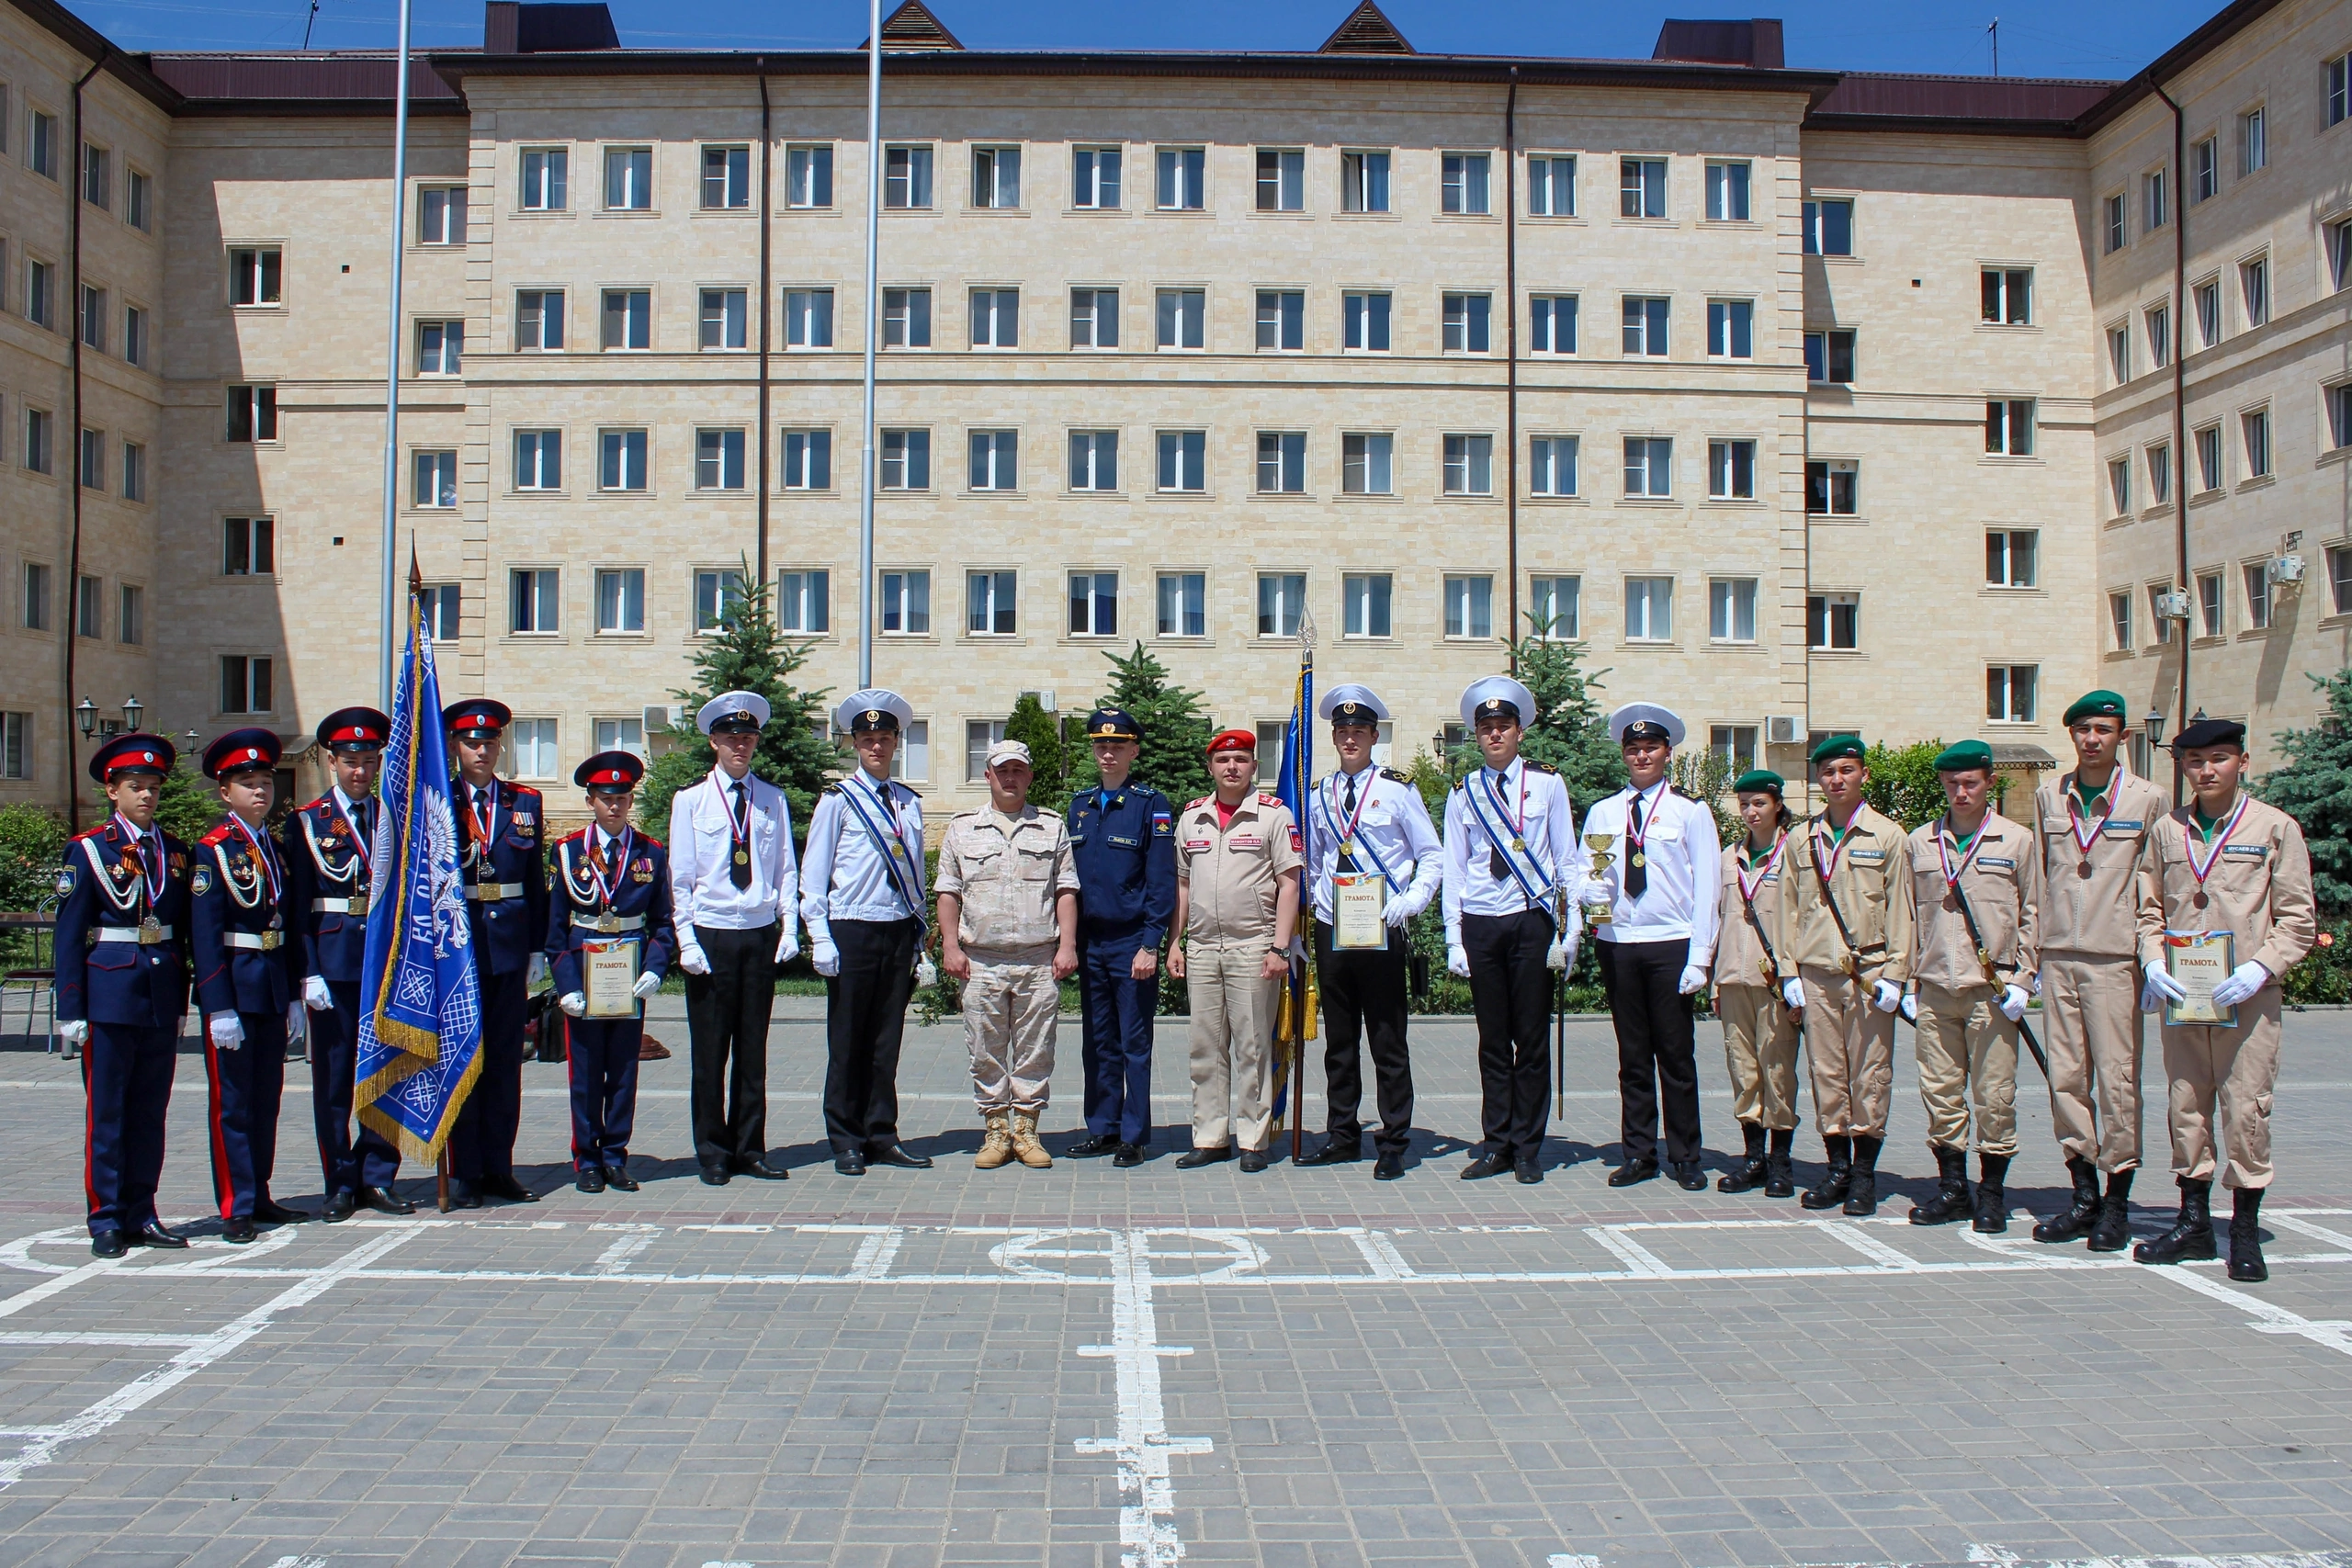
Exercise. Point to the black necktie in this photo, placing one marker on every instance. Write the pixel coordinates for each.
(1637, 873)
(740, 873)
(1347, 814)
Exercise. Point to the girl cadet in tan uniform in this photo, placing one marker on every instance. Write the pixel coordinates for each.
(1844, 955)
(1760, 1027)
(2224, 862)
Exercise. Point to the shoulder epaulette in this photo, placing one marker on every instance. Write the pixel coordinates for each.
(1678, 789)
(650, 839)
(318, 804)
(521, 788)
(102, 830)
(219, 835)
(834, 788)
(1394, 776)
(1198, 803)
(1540, 768)
(1265, 799)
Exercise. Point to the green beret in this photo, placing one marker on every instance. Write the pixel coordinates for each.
(1838, 746)
(1962, 755)
(2099, 704)
(1763, 781)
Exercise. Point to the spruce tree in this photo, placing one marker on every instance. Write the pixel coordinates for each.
(1568, 732)
(1173, 758)
(1041, 732)
(2315, 788)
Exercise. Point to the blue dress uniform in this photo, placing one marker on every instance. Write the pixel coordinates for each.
(327, 846)
(247, 969)
(122, 979)
(607, 889)
(1124, 841)
(503, 826)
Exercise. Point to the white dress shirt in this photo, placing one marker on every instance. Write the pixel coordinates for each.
(702, 857)
(1534, 805)
(1393, 836)
(1682, 854)
(847, 876)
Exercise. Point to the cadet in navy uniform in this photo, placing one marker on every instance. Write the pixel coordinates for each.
(1123, 838)
(862, 896)
(246, 962)
(612, 884)
(503, 825)
(122, 987)
(328, 846)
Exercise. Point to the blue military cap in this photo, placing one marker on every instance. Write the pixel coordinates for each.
(354, 729)
(1112, 724)
(476, 718)
(241, 751)
(136, 753)
(609, 772)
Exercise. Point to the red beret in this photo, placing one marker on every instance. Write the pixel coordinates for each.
(1232, 740)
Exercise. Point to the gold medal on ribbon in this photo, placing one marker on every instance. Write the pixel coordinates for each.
(608, 922)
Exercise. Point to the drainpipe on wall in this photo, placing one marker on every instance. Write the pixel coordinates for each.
(1510, 356)
(2180, 404)
(73, 353)
(765, 304)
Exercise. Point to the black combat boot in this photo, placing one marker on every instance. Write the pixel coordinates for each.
(1992, 1196)
(2245, 1236)
(1832, 1190)
(1779, 1181)
(1862, 1190)
(1951, 1201)
(1748, 1174)
(2113, 1231)
(2191, 1237)
(2076, 1219)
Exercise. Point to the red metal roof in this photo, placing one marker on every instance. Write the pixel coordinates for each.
(1872, 96)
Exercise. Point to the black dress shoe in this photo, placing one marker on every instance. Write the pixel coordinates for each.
(1128, 1157)
(271, 1212)
(1485, 1166)
(507, 1188)
(1528, 1170)
(463, 1195)
(1097, 1147)
(896, 1153)
(1192, 1159)
(1632, 1171)
(384, 1200)
(341, 1206)
(1388, 1167)
(1253, 1160)
(716, 1176)
(154, 1233)
(1687, 1177)
(108, 1244)
(1334, 1151)
(759, 1167)
(619, 1181)
(590, 1180)
(850, 1162)
(238, 1229)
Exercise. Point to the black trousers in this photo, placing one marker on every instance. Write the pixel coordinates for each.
(727, 1021)
(865, 1020)
(1364, 992)
(1657, 1067)
(1511, 992)
(481, 1145)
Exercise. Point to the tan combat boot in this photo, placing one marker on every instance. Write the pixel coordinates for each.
(1025, 1141)
(997, 1147)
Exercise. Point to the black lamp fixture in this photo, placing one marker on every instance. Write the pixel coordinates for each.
(131, 711)
(2155, 727)
(86, 714)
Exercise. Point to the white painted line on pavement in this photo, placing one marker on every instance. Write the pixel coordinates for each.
(1143, 1448)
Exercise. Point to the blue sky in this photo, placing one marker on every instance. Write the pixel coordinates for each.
(2078, 38)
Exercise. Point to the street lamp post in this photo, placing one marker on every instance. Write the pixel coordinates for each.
(86, 714)
(131, 709)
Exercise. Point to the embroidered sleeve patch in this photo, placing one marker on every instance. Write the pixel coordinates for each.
(203, 883)
(65, 882)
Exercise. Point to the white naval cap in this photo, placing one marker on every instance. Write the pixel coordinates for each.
(736, 711)
(1351, 703)
(1495, 696)
(1645, 721)
(874, 708)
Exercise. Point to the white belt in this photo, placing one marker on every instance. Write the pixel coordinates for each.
(358, 906)
(607, 924)
(146, 934)
(257, 941)
(493, 892)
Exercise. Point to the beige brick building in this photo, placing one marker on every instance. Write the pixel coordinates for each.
(1790, 392)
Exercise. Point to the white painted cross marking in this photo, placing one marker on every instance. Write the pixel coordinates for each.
(1146, 1495)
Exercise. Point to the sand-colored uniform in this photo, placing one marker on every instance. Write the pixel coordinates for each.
(1850, 1045)
(1967, 1047)
(1006, 873)
(2258, 889)
(2090, 973)
(1759, 1032)
(1233, 875)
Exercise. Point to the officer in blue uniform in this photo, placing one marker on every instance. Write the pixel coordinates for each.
(329, 848)
(247, 967)
(122, 987)
(612, 887)
(1123, 837)
(503, 826)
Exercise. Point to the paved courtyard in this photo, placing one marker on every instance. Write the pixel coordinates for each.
(1093, 1366)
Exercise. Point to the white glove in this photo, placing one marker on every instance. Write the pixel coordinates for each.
(2161, 986)
(692, 959)
(1399, 914)
(787, 947)
(74, 1031)
(228, 1030)
(2013, 1001)
(538, 971)
(1457, 962)
(926, 972)
(1792, 994)
(1911, 1008)
(2244, 981)
(574, 1002)
(646, 984)
(1886, 996)
(1694, 979)
(1595, 895)
(826, 957)
(315, 995)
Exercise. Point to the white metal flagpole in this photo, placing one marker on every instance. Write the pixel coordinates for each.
(392, 367)
(866, 587)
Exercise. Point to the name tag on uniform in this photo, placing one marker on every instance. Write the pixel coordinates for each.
(2245, 851)
(1125, 844)
(1990, 860)
(1194, 846)
(2122, 825)
(1870, 856)
(1246, 842)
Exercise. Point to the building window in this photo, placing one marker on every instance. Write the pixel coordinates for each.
(2012, 558)
(988, 603)
(529, 751)
(1364, 604)
(1731, 328)
(2119, 621)
(2254, 141)
(628, 318)
(1367, 463)
(2339, 578)
(1649, 609)
(1469, 465)
(89, 607)
(139, 200)
(629, 179)
(1552, 323)
(808, 176)
(906, 459)
(1552, 186)
(2208, 296)
(40, 145)
(622, 464)
(36, 597)
(1094, 459)
(1363, 181)
(1183, 604)
(1728, 193)
(726, 178)
(534, 601)
(803, 601)
(93, 318)
(1734, 745)
(1645, 323)
(1183, 318)
(1282, 462)
(996, 318)
(1183, 179)
(41, 294)
(726, 318)
(913, 760)
(255, 273)
(2256, 576)
(1731, 470)
(2339, 90)
(2339, 254)
(134, 335)
(1184, 459)
(249, 546)
(1281, 596)
(130, 613)
(1282, 179)
(134, 471)
(2009, 692)
(620, 735)
(906, 603)
(2112, 209)
(2254, 280)
(436, 480)
(1831, 488)
(1641, 188)
(1552, 606)
(808, 459)
(1094, 318)
(995, 455)
(905, 179)
(719, 459)
(1830, 228)
(1282, 320)
(2208, 458)
(2008, 426)
(1366, 321)
(996, 177)
(2154, 199)
(1552, 465)
(38, 458)
(980, 735)
(2205, 160)
(441, 215)
(808, 318)
(1649, 466)
(2160, 473)
(544, 174)
(1093, 604)
(244, 683)
(1833, 622)
(90, 469)
(538, 320)
(1463, 183)
(2339, 416)
(538, 460)
(440, 602)
(2158, 319)
(2255, 425)
(1829, 358)
(2008, 295)
(1731, 609)
(2118, 353)
(1470, 606)
(620, 600)
(906, 317)
(440, 347)
(1094, 177)
(2118, 486)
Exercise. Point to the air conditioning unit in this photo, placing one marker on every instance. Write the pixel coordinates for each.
(2172, 605)
(1045, 698)
(1784, 729)
(2286, 570)
(660, 716)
